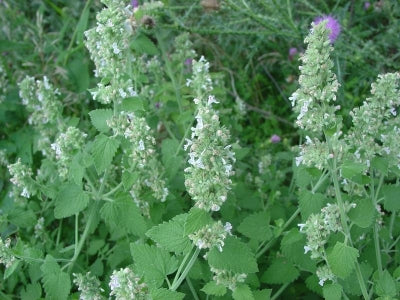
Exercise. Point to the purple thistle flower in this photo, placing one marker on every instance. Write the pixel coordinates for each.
(188, 62)
(292, 52)
(275, 139)
(135, 3)
(332, 24)
(367, 5)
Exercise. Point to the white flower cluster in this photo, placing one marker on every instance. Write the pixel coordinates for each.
(142, 155)
(21, 177)
(324, 273)
(125, 285)
(108, 93)
(212, 235)
(228, 278)
(201, 81)
(88, 286)
(210, 157)
(40, 99)
(318, 227)
(318, 84)
(108, 42)
(65, 146)
(6, 256)
(376, 125)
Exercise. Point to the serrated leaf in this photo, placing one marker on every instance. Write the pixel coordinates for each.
(214, 289)
(76, 169)
(171, 235)
(32, 291)
(332, 291)
(279, 272)
(256, 226)
(124, 214)
(56, 283)
(235, 256)
(292, 246)
(163, 294)
(22, 218)
(143, 45)
(342, 259)
(353, 171)
(132, 104)
(350, 284)
(264, 294)
(363, 214)
(172, 162)
(128, 179)
(380, 164)
(154, 263)
(385, 285)
(310, 203)
(242, 292)
(99, 119)
(70, 200)
(103, 151)
(195, 220)
(11, 269)
(391, 194)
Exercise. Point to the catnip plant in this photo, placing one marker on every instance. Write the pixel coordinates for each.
(346, 221)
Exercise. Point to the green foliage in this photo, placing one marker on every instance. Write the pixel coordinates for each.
(56, 283)
(70, 200)
(256, 226)
(103, 151)
(342, 259)
(279, 272)
(236, 257)
(332, 292)
(99, 119)
(214, 289)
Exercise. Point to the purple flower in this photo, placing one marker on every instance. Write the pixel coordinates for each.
(332, 24)
(367, 5)
(275, 139)
(135, 3)
(188, 62)
(292, 52)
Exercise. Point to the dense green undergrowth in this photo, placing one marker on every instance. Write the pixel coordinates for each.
(199, 149)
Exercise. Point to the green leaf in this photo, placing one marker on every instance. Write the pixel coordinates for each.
(256, 226)
(70, 200)
(235, 256)
(22, 218)
(103, 151)
(143, 45)
(154, 263)
(342, 259)
(78, 73)
(123, 214)
(380, 164)
(281, 271)
(32, 291)
(391, 194)
(172, 162)
(56, 283)
(214, 289)
(132, 104)
(171, 235)
(386, 286)
(242, 292)
(196, 219)
(128, 179)
(163, 294)
(353, 171)
(332, 291)
(363, 215)
(310, 203)
(292, 246)
(10, 270)
(76, 169)
(264, 294)
(99, 119)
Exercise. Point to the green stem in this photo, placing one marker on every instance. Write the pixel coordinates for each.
(280, 291)
(320, 181)
(343, 219)
(189, 282)
(84, 236)
(113, 190)
(176, 284)
(181, 266)
(374, 196)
